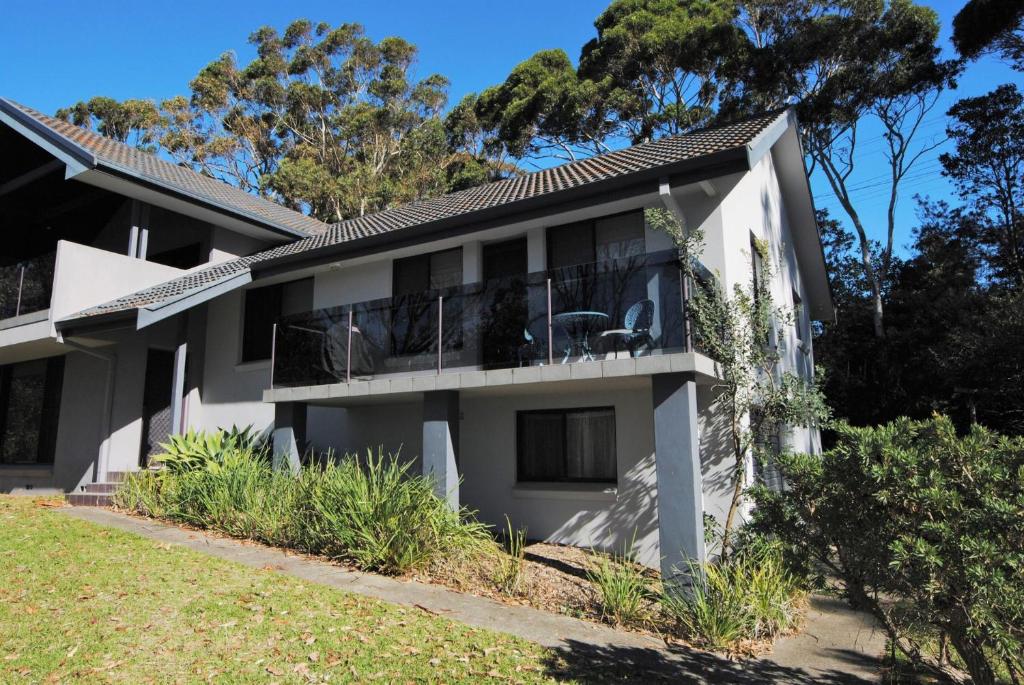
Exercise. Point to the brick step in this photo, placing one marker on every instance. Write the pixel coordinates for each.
(90, 499)
(117, 476)
(97, 488)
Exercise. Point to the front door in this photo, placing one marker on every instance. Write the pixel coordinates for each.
(156, 403)
(506, 311)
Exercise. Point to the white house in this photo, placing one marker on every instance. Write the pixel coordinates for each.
(525, 341)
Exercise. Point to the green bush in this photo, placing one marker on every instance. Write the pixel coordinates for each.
(370, 511)
(920, 526)
(374, 512)
(623, 587)
(748, 596)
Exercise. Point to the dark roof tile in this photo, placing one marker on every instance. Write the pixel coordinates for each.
(642, 157)
(150, 167)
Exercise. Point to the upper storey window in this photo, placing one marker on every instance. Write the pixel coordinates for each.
(424, 272)
(598, 240)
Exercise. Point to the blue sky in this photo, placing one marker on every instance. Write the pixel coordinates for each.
(56, 53)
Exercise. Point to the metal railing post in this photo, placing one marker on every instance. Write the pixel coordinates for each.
(440, 329)
(551, 340)
(273, 354)
(21, 286)
(348, 349)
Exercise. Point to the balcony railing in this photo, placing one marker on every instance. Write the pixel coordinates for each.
(26, 286)
(631, 306)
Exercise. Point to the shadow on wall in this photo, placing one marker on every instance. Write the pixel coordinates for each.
(716, 456)
(590, 663)
(632, 519)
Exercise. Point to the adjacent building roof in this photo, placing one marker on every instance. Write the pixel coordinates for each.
(702, 149)
(97, 152)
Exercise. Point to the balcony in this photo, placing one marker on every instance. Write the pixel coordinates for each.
(625, 310)
(26, 286)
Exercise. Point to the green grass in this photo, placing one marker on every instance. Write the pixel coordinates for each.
(83, 603)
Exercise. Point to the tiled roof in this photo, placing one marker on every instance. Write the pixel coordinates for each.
(644, 157)
(151, 168)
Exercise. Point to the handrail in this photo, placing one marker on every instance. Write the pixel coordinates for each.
(488, 324)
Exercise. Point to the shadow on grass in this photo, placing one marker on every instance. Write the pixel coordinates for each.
(590, 663)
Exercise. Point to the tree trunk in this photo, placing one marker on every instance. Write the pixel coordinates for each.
(973, 657)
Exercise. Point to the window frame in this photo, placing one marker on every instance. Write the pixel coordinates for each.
(564, 412)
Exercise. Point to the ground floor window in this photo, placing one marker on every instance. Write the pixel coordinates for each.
(29, 410)
(566, 445)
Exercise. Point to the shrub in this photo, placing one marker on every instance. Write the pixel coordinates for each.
(919, 526)
(374, 512)
(623, 586)
(371, 511)
(508, 576)
(748, 596)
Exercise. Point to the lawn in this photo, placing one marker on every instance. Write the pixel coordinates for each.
(83, 603)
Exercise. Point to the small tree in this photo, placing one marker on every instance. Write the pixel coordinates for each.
(739, 331)
(920, 527)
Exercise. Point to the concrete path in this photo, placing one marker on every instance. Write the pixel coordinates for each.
(837, 645)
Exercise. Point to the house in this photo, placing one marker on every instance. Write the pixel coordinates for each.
(526, 341)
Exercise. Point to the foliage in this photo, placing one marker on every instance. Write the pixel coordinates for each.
(936, 536)
(987, 167)
(135, 122)
(201, 450)
(371, 511)
(743, 332)
(322, 120)
(623, 585)
(951, 340)
(374, 512)
(84, 603)
(748, 596)
(509, 574)
(990, 26)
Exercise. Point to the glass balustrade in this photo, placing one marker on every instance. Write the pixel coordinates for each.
(614, 309)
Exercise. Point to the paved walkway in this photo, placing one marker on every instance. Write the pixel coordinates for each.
(837, 645)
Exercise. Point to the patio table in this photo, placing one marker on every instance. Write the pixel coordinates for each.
(578, 326)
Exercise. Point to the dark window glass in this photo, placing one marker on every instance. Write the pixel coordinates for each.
(571, 244)
(798, 318)
(30, 410)
(263, 306)
(602, 240)
(432, 271)
(184, 257)
(566, 445)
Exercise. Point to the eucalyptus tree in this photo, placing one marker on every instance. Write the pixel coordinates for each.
(134, 122)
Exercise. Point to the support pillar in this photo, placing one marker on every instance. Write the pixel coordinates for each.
(677, 466)
(289, 434)
(178, 389)
(440, 443)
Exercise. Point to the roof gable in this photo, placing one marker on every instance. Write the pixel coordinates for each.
(93, 151)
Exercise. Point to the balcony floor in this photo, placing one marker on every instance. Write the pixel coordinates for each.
(400, 387)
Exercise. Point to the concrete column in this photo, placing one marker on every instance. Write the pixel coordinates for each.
(677, 466)
(178, 388)
(289, 436)
(440, 443)
(536, 249)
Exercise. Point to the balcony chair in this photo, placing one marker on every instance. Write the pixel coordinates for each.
(636, 328)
